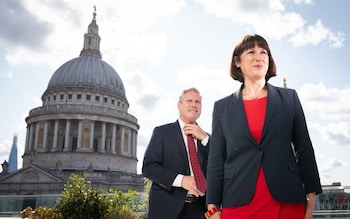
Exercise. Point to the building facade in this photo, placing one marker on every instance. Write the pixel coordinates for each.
(83, 125)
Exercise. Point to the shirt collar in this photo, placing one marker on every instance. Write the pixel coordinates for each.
(182, 125)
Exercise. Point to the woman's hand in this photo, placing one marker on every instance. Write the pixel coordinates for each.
(216, 215)
(310, 205)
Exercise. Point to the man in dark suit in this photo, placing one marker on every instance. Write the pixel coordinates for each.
(174, 193)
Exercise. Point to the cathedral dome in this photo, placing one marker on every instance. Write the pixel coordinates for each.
(83, 124)
(87, 73)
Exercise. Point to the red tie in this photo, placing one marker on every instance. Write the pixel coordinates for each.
(196, 167)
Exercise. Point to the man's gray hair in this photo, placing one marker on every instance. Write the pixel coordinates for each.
(188, 90)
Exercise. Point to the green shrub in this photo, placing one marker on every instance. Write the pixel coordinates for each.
(80, 201)
(27, 212)
(144, 197)
(44, 212)
(123, 206)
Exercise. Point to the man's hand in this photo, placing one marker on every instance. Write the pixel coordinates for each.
(189, 184)
(195, 130)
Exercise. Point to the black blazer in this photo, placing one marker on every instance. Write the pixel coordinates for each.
(164, 159)
(235, 156)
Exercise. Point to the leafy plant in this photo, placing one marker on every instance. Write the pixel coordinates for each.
(44, 212)
(123, 206)
(27, 212)
(80, 201)
(145, 195)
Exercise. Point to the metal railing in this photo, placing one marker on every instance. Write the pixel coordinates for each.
(339, 214)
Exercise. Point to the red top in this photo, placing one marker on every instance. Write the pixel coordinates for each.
(262, 205)
(255, 111)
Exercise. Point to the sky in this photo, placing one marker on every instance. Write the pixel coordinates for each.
(159, 48)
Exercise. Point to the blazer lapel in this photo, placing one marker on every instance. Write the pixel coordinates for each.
(239, 115)
(272, 103)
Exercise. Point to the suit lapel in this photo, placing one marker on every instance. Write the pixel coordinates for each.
(179, 141)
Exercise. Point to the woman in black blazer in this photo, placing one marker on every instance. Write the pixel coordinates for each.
(261, 161)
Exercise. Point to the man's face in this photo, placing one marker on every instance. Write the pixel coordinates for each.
(190, 107)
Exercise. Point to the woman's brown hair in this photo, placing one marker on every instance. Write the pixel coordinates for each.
(248, 42)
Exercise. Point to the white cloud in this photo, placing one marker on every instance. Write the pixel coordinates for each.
(315, 34)
(269, 18)
(329, 110)
(328, 117)
(124, 27)
(20, 27)
(10, 75)
(329, 129)
(336, 40)
(335, 134)
(151, 105)
(332, 169)
(338, 133)
(308, 2)
(327, 103)
(202, 77)
(135, 47)
(146, 97)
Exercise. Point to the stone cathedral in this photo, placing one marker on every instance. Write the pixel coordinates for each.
(83, 125)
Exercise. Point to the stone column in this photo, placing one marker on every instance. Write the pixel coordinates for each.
(103, 140)
(30, 142)
(131, 145)
(129, 142)
(92, 134)
(45, 137)
(36, 137)
(114, 128)
(79, 136)
(121, 148)
(66, 137)
(134, 145)
(55, 137)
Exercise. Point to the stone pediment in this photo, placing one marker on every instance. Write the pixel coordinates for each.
(30, 174)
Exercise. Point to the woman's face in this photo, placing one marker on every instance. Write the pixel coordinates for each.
(254, 63)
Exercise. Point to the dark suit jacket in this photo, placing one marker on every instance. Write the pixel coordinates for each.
(164, 159)
(235, 157)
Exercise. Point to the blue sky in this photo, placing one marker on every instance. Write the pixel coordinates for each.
(161, 47)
